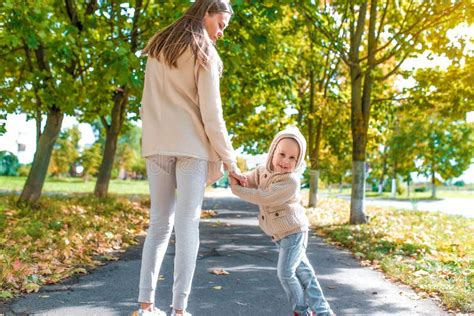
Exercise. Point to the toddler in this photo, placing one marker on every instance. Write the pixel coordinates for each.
(275, 188)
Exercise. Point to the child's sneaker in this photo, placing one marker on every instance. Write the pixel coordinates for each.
(173, 313)
(154, 312)
(324, 314)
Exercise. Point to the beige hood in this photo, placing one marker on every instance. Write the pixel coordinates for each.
(289, 132)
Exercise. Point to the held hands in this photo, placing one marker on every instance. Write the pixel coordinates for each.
(238, 178)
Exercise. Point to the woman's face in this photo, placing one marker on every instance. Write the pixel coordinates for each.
(215, 24)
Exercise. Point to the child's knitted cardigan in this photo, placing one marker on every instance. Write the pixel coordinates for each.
(277, 194)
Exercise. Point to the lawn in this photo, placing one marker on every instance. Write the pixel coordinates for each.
(441, 193)
(76, 185)
(62, 236)
(432, 252)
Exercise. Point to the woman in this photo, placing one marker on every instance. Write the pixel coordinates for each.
(184, 141)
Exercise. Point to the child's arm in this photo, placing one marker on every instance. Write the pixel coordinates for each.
(250, 178)
(276, 195)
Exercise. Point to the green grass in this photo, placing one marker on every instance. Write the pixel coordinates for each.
(77, 185)
(441, 193)
(432, 252)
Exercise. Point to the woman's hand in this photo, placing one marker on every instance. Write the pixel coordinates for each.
(235, 177)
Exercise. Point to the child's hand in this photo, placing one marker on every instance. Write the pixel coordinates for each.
(233, 181)
(244, 182)
(239, 178)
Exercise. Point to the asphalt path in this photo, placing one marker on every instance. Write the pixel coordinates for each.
(231, 241)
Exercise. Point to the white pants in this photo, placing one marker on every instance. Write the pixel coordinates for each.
(177, 187)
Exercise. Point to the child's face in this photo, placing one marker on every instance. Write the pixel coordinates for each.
(286, 155)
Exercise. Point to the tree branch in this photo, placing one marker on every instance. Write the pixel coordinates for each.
(72, 14)
(394, 69)
(104, 122)
(382, 20)
(134, 33)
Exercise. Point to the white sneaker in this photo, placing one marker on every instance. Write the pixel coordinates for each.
(173, 313)
(154, 312)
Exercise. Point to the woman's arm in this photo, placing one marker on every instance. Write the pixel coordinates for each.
(211, 111)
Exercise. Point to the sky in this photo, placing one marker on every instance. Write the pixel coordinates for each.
(20, 131)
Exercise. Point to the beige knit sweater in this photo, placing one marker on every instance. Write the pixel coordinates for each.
(182, 113)
(277, 194)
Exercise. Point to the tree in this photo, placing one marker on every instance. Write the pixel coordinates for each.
(128, 150)
(445, 149)
(126, 27)
(44, 66)
(90, 160)
(258, 94)
(66, 152)
(8, 164)
(368, 34)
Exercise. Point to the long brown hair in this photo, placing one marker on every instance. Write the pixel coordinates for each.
(188, 30)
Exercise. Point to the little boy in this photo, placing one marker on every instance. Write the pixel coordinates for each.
(275, 188)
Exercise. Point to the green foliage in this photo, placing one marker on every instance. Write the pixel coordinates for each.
(66, 152)
(23, 170)
(128, 161)
(445, 148)
(45, 60)
(3, 117)
(254, 107)
(8, 164)
(90, 160)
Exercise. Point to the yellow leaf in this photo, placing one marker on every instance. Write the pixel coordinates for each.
(80, 271)
(32, 287)
(208, 214)
(220, 272)
(217, 287)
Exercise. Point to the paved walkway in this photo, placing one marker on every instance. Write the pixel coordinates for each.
(232, 241)
(450, 206)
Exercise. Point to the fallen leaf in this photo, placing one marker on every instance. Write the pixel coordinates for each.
(208, 214)
(217, 287)
(32, 287)
(80, 271)
(220, 272)
(359, 255)
(6, 294)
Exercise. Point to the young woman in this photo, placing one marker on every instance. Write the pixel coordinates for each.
(184, 141)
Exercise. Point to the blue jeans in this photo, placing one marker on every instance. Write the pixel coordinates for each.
(298, 278)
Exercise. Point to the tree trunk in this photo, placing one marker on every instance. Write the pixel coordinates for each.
(39, 168)
(359, 141)
(394, 187)
(358, 193)
(408, 189)
(38, 126)
(111, 138)
(314, 172)
(384, 170)
(380, 189)
(433, 184)
(360, 106)
(313, 187)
